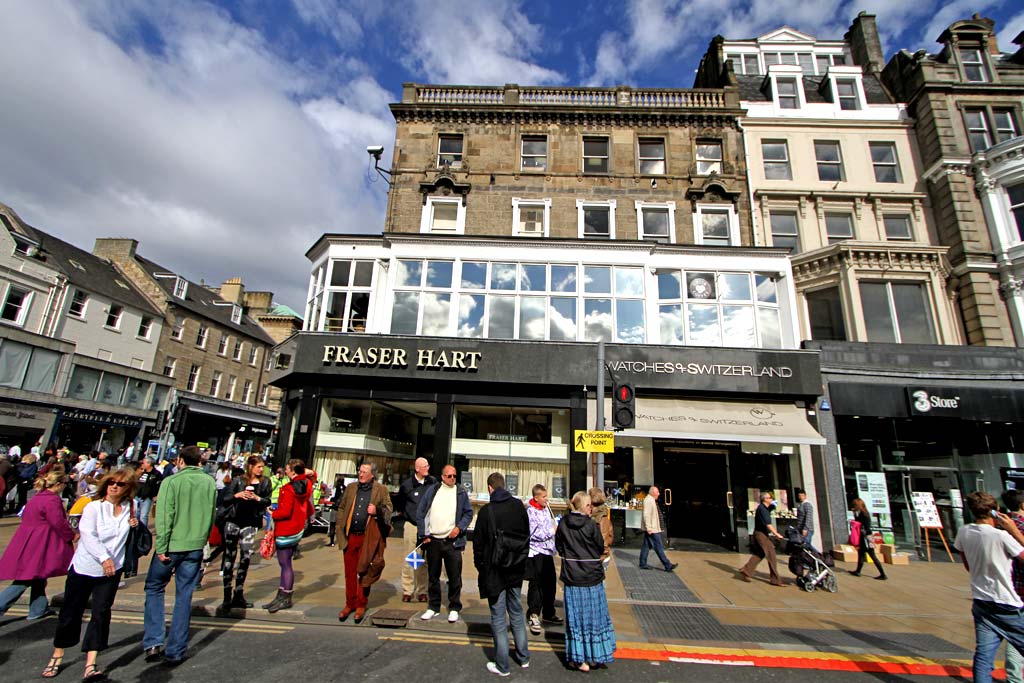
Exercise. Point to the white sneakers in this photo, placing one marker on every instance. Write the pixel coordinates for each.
(453, 616)
(535, 624)
(493, 668)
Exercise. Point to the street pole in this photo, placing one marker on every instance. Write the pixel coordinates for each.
(599, 475)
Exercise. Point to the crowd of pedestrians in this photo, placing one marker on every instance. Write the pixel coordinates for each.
(202, 509)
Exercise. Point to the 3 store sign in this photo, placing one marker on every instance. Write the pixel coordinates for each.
(923, 402)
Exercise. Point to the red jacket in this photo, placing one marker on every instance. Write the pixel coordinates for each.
(292, 507)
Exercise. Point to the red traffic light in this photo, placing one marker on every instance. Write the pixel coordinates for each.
(624, 393)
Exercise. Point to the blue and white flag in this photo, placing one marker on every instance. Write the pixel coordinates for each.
(414, 560)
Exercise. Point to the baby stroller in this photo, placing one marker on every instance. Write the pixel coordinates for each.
(811, 568)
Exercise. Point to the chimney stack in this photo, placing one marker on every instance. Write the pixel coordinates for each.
(115, 249)
(233, 290)
(865, 44)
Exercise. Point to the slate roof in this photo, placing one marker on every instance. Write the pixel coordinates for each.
(89, 272)
(751, 89)
(204, 303)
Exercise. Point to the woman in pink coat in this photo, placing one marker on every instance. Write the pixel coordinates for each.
(41, 548)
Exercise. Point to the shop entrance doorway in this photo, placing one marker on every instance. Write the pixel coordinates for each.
(696, 485)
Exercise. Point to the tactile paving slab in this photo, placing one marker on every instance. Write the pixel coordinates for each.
(654, 585)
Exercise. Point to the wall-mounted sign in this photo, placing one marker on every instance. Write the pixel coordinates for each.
(82, 415)
(716, 369)
(466, 481)
(385, 357)
(512, 484)
(934, 402)
(491, 436)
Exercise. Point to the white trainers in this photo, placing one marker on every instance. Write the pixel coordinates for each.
(453, 616)
(535, 624)
(493, 668)
(428, 615)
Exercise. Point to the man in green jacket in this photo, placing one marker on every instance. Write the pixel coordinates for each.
(183, 521)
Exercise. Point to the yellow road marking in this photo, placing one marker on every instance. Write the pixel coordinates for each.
(122, 618)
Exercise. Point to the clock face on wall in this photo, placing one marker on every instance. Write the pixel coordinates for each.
(700, 287)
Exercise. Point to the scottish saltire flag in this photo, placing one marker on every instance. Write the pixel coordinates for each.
(414, 560)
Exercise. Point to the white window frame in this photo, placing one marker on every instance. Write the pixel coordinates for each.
(669, 206)
(462, 148)
(246, 391)
(215, 383)
(427, 216)
(193, 381)
(999, 133)
(222, 345)
(523, 155)
(1016, 231)
(607, 155)
(852, 223)
(702, 160)
(765, 161)
(582, 204)
(979, 64)
(847, 73)
(232, 383)
(149, 328)
(170, 363)
(910, 226)
(202, 336)
(264, 394)
(26, 304)
(698, 222)
(117, 320)
(178, 330)
(85, 304)
(180, 287)
(518, 202)
(984, 129)
(786, 211)
(894, 317)
(236, 352)
(840, 163)
(895, 161)
(663, 158)
(787, 71)
(236, 314)
(254, 354)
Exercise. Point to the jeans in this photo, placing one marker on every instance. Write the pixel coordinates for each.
(653, 541)
(809, 537)
(184, 566)
(508, 601)
(992, 623)
(142, 508)
(443, 551)
(1014, 665)
(38, 603)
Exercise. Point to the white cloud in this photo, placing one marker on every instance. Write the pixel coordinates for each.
(1010, 30)
(472, 43)
(219, 157)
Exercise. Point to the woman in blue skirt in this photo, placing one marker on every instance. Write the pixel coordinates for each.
(589, 635)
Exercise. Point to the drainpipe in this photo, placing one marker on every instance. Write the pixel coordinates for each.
(750, 189)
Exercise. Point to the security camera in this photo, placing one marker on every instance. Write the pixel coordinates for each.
(375, 151)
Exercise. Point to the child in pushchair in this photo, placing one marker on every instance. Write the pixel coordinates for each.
(811, 568)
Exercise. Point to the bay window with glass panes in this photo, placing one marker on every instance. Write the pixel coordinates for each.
(348, 296)
(897, 312)
(708, 308)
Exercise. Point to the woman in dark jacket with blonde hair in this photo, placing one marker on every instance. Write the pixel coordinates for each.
(589, 634)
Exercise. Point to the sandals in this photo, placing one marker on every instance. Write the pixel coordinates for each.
(53, 668)
(583, 667)
(92, 674)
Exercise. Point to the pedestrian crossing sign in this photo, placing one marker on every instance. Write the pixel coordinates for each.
(414, 560)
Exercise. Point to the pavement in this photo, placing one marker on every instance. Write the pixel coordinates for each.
(917, 622)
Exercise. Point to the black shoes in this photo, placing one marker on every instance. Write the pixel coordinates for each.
(282, 601)
(553, 619)
(646, 566)
(173, 661)
(882, 577)
(154, 654)
(239, 601)
(672, 567)
(223, 609)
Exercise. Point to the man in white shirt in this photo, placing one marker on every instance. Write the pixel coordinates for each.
(443, 515)
(988, 555)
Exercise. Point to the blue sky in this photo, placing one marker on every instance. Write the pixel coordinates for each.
(228, 136)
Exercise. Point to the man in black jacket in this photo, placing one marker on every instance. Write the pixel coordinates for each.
(501, 543)
(414, 581)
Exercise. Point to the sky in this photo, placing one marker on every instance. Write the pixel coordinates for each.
(228, 136)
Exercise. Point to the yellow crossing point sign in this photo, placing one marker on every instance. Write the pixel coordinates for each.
(595, 442)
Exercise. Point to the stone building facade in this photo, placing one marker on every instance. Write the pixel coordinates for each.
(965, 98)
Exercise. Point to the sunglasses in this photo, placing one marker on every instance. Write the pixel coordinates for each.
(447, 476)
(118, 483)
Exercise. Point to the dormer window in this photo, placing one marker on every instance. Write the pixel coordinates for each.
(24, 246)
(846, 93)
(786, 93)
(180, 287)
(236, 314)
(973, 64)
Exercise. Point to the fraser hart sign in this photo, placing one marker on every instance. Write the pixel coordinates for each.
(380, 356)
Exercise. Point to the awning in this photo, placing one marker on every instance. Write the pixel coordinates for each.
(247, 416)
(774, 423)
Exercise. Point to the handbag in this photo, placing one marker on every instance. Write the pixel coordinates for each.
(140, 536)
(267, 545)
(855, 533)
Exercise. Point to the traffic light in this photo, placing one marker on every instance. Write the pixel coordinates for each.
(623, 407)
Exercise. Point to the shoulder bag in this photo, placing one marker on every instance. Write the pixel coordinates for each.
(140, 536)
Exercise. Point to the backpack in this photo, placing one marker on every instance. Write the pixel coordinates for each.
(507, 550)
